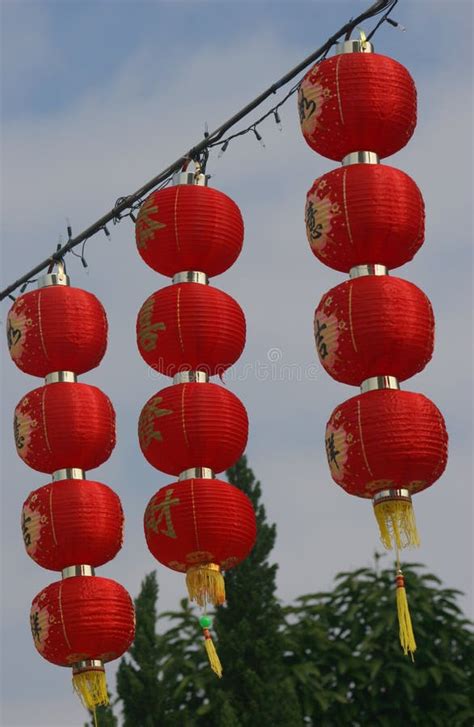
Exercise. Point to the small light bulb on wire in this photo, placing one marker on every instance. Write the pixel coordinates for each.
(395, 24)
(222, 149)
(258, 137)
(278, 120)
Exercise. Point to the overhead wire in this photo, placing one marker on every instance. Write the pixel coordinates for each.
(128, 205)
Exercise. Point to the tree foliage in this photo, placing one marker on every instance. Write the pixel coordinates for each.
(330, 659)
(343, 652)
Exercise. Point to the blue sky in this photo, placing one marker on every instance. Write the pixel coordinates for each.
(96, 98)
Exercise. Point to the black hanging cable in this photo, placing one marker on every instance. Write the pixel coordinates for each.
(200, 151)
(383, 19)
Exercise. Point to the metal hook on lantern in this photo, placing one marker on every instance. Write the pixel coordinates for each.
(198, 177)
(59, 277)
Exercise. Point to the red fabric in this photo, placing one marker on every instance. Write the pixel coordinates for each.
(200, 521)
(64, 425)
(193, 425)
(384, 440)
(373, 326)
(364, 213)
(84, 617)
(357, 102)
(188, 227)
(72, 522)
(57, 329)
(190, 327)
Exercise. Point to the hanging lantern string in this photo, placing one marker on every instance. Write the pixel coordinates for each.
(126, 206)
(405, 627)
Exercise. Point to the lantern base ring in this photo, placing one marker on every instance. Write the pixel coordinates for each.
(77, 570)
(61, 377)
(189, 377)
(89, 682)
(358, 271)
(68, 473)
(87, 665)
(360, 157)
(191, 276)
(398, 494)
(375, 383)
(202, 473)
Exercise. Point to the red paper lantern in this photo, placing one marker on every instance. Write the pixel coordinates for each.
(193, 425)
(200, 521)
(364, 214)
(190, 326)
(72, 522)
(64, 425)
(82, 618)
(357, 101)
(57, 328)
(374, 326)
(189, 227)
(386, 439)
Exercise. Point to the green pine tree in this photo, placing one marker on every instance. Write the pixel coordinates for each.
(138, 675)
(343, 652)
(255, 687)
(104, 717)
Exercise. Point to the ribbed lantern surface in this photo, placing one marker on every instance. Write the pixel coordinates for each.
(389, 312)
(193, 425)
(386, 440)
(364, 213)
(357, 101)
(189, 227)
(191, 327)
(72, 521)
(194, 429)
(200, 521)
(71, 524)
(64, 425)
(82, 618)
(372, 331)
(57, 328)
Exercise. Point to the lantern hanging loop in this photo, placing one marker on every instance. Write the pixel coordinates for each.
(54, 276)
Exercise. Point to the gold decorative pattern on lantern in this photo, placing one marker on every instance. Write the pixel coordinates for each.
(311, 98)
(319, 215)
(17, 324)
(199, 556)
(23, 426)
(229, 562)
(147, 331)
(326, 334)
(39, 622)
(337, 448)
(31, 523)
(146, 424)
(176, 565)
(147, 226)
(157, 512)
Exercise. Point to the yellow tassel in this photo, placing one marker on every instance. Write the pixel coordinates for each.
(206, 584)
(91, 686)
(212, 655)
(407, 637)
(397, 524)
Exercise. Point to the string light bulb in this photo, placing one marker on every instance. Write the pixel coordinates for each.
(258, 137)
